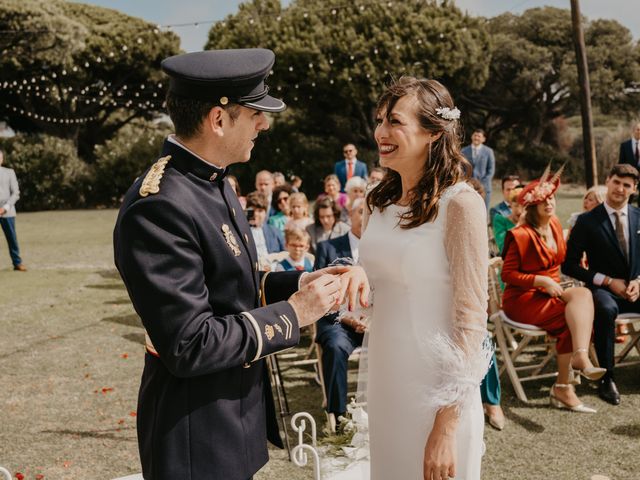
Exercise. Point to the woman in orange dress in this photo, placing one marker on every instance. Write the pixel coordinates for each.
(533, 253)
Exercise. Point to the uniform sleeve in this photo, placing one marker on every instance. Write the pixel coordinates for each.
(465, 354)
(157, 252)
(511, 266)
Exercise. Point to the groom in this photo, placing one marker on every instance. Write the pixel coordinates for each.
(185, 252)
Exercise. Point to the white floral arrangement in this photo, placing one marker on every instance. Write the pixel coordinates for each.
(448, 113)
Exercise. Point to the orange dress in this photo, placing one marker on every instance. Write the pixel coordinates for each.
(525, 256)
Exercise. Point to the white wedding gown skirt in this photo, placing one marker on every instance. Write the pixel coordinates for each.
(412, 280)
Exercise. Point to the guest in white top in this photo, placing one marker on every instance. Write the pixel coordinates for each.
(9, 195)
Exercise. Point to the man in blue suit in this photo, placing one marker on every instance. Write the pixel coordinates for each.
(630, 150)
(482, 160)
(608, 235)
(350, 166)
(339, 340)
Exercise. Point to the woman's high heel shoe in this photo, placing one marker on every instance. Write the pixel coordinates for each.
(590, 373)
(557, 403)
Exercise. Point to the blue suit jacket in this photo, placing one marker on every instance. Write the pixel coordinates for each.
(359, 170)
(273, 238)
(595, 235)
(484, 165)
(328, 250)
(626, 154)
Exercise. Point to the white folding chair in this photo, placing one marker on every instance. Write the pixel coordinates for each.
(516, 340)
(632, 322)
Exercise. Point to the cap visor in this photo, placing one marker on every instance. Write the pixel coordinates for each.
(266, 104)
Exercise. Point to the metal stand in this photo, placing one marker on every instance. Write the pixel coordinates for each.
(7, 476)
(299, 454)
(275, 374)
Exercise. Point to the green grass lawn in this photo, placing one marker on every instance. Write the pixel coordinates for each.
(71, 357)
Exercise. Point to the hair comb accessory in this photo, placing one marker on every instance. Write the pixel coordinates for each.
(448, 113)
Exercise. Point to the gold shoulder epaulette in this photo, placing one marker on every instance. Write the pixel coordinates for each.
(151, 182)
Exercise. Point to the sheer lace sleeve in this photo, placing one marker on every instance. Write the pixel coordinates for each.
(465, 355)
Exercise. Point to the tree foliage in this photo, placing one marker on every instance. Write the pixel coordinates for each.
(69, 61)
(332, 64)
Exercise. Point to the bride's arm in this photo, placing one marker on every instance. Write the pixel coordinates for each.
(464, 355)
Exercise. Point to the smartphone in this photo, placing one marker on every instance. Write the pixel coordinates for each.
(250, 213)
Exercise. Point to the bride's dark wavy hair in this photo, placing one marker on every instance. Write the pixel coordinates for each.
(444, 165)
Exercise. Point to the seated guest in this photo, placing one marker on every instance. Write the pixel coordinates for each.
(326, 224)
(503, 223)
(608, 235)
(355, 188)
(339, 340)
(299, 209)
(376, 175)
(533, 253)
(267, 238)
(279, 179)
(296, 183)
(296, 242)
(509, 182)
(591, 199)
(280, 205)
(332, 191)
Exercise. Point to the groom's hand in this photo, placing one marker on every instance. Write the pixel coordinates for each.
(315, 298)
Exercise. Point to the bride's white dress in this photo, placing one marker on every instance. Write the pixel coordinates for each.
(425, 339)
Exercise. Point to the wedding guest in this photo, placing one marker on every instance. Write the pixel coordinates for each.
(265, 185)
(503, 223)
(9, 195)
(332, 191)
(482, 160)
(591, 199)
(533, 253)
(296, 183)
(630, 149)
(296, 242)
(279, 179)
(339, 339)
(350, 166)
(268, 239)
(355, 188)
(509, 182)
(236, 188)
(376, 175)
(299, 210)
(608, 234)
(280, 204)
(326, 224)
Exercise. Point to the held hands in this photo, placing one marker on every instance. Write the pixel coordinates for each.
(630, 291)
(356, 324)
(326, 289)
(633, 290)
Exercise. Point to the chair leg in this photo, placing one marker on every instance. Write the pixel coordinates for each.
(508, 362)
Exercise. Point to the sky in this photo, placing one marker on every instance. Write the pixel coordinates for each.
(193, 38)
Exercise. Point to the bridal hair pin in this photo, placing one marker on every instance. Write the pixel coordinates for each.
(448, 113)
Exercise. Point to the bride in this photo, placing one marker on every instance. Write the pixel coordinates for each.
(425, 253)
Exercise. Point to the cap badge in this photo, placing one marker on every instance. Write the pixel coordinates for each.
(268, 331)
(151, 182)
(231, 240)
(224, 100)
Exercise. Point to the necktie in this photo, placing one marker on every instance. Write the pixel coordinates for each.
(349, 170)
(620, 235)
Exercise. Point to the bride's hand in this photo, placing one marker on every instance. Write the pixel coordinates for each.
(440, 451)
(355, 287)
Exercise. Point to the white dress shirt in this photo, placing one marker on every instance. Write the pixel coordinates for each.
(353, 245)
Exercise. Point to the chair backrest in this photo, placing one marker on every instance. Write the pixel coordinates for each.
(495, 291)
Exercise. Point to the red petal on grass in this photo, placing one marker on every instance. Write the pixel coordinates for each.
(39, 476)
(107, 389)
(19, 476)
(66, 464)
(125, 355)
(133, 414)
(121, 421)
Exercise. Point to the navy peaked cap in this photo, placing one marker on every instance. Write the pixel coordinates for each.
(224, 76)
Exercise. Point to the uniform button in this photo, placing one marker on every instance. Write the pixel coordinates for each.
(246, 238)
(246, 365)
(256, 266)
(233, 210)
(213, 177)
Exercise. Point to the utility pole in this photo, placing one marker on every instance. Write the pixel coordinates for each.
(590, 164)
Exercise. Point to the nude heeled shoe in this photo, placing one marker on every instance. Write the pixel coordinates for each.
(557, 403)
(590, 373)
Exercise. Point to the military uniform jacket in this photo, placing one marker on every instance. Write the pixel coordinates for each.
(187, 258)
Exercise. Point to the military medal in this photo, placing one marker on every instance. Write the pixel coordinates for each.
(231, 240)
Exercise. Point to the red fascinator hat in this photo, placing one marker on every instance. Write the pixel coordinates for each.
(539, 190)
